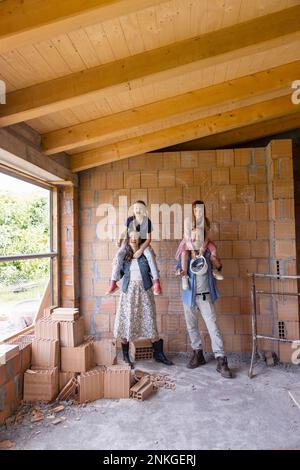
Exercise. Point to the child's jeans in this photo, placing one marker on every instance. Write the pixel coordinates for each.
(119, 258)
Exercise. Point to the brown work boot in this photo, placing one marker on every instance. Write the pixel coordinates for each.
(197, 359)
(223, 368)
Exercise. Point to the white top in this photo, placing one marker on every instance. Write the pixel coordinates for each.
(202, 284)
(135, 272)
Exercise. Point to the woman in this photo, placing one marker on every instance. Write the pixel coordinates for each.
(136, 313)
(196, 239)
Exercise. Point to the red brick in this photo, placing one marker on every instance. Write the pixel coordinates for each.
(166, 178)
(282, 189)
(227, 194)
(138, 195)
(102, 322)
(242, 157)
(243, 324)
(259, 211)
(230, 268)
(171, 160)
(225, 158)
(115, 180)
(260, 156)
(281, 148)
(239, 175)
(174, 196)
(207, 159)
(263, 230)
(245, 194)
(247, 231)
(224, 249)
(285, 229)
(260, 249)
(226, 323)
(285, 249)
(240, 211)
(189, 159)
(228, 231)
(220, 176)
(3, 374)
(257, 175)
(241, 249)
(132, 179)
(185, 177)
(261, 193)
(191, 194)
(149, 179)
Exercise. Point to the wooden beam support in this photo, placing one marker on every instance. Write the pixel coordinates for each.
(17, 153)
(172, 111)
(247, 115)
(28, 21)
(192, 54)
(240, 135)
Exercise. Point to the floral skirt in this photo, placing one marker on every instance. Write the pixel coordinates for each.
(136, 313)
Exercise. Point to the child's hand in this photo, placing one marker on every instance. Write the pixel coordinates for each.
(138, 253)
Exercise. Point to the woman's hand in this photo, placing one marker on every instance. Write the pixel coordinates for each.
(138, 253)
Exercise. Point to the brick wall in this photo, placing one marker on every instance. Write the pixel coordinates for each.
(249, 200)
(69, 247)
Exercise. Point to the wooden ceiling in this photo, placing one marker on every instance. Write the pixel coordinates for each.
(103, 80)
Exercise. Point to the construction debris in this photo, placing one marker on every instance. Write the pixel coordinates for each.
(58, 420)
(68, 391)
(6, 444)
(142, 389)
(57, 409)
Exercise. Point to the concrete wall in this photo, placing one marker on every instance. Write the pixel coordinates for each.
(249, 199)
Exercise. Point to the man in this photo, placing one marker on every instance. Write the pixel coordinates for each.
(200, 296)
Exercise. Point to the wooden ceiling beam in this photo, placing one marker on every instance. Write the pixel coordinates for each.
(212, 48)
(185, 107)
(25, 22)
(240, 135)
(203, 127)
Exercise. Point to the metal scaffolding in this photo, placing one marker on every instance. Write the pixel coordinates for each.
(254, 293)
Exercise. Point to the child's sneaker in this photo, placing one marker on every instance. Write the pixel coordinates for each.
(112, 288)
(185, 282)
(217, 274)
(157, 287)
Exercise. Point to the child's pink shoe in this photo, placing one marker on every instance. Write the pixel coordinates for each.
(113, 286)
(157, 287)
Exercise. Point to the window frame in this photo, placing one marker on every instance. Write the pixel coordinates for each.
(52, 254)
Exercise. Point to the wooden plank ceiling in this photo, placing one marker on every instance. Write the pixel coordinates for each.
(104, 80)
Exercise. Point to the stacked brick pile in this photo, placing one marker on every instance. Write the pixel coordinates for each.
(15, 359)
(66, 363)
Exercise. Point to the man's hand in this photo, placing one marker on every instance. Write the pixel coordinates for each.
(138, 253)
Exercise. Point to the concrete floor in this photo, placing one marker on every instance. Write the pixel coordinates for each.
(205, 411)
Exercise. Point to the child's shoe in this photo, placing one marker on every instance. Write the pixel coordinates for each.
(157, 287)
(218, 275)
(185, 282)
(112, 288)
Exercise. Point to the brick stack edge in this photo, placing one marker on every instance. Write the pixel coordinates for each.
(249, 196)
